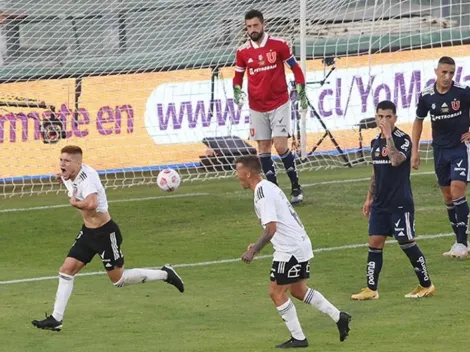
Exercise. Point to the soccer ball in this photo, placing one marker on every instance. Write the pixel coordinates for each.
(168, 180)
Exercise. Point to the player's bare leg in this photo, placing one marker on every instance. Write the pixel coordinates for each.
(282, 148)
(118, 276)
(67, 272)
(457, 208)
(312, 297)
(286, 309)
(264, 153)
(121, 277)
(374, 266)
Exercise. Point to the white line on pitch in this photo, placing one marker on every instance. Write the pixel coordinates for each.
(232, 260)
(45, 207)
(111, 201)
(358, 179)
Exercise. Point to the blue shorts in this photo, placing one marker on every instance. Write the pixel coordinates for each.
(451, 164)
(400, 224)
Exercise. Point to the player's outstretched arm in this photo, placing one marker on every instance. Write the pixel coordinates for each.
(264, 239)
(415, 137)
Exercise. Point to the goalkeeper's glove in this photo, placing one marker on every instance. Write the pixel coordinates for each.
(302, 96)
(238, 95)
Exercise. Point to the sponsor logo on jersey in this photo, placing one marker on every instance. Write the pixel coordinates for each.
(446, 116)
(444, 108)
(254, 71)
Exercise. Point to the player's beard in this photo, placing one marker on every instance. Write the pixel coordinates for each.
(255, 36)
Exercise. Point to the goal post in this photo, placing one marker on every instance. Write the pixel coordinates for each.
(142, 85)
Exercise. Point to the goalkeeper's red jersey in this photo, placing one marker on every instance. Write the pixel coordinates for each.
(264, 64)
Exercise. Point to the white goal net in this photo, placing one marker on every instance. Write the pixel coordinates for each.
(143, 85)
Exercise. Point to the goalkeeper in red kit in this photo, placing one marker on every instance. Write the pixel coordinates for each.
(263, 57)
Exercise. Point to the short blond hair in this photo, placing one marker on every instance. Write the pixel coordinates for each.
(250, 162)
(72, 149)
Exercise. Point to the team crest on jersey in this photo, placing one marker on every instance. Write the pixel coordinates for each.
(271, 57)
(456, 104)
(384, 152)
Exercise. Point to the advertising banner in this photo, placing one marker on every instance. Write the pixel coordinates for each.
(132, 121)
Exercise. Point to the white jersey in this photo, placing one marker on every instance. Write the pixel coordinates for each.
(290, 239)
(88, 182)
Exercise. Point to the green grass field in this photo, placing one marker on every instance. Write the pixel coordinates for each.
(226, 306)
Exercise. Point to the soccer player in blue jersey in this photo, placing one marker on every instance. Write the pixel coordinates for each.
(448, 104)
(389, 204)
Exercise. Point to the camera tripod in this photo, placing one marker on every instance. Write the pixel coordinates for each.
(327, 133)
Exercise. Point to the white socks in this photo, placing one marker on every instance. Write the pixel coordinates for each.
(317, 300)
(139, 276)
(289, 315)
(129, 277)
(64, 290)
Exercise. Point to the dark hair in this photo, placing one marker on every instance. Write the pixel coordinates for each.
(387, 105)
(251, 162)
(254, 14)
(72, 149)
(446, 60)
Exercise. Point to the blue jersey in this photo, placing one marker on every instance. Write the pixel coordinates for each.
(392, 183)
(449, 114)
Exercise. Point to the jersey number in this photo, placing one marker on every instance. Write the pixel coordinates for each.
(294, 214)
(405, 145)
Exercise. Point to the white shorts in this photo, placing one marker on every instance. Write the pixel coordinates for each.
(266, 125)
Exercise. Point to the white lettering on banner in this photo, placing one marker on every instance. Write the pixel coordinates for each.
(184, 112)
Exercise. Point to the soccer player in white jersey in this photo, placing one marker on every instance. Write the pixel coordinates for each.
(292, 252)
(99, 235)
